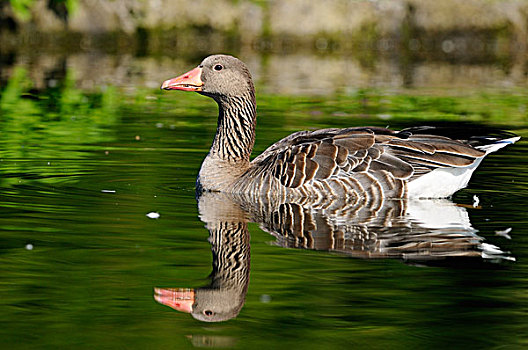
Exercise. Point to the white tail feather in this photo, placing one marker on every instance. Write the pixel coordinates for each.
(443, 182)
(493, 147)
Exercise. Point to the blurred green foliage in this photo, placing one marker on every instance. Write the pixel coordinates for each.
(22, 8)
(60, 114)
(51, 124)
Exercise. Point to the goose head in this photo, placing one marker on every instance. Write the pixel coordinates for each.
(218, 76)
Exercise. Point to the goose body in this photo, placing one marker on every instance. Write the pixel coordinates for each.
(352, 162)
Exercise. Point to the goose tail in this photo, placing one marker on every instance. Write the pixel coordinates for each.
(496, 144)
(443, 182)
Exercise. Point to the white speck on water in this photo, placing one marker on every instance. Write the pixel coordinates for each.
(29, 246)
(159, 125)
(108, 191)
(384, 116)
(504, 233)
(49, 163)
(476, 201)
(153, 215)
(265, 298)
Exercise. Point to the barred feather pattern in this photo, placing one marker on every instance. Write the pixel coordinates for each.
(231, 255)
(352, 162)
(382, 234)
(366, 228)
(235, 134)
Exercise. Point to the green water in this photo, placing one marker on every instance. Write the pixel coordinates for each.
(79, 258)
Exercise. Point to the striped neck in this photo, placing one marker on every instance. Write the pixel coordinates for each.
(235, 134)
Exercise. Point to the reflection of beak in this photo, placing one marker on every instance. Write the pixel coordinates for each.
(189, 81)
(180, 299)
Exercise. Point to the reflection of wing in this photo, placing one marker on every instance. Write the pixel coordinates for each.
(374, 228)
(380, 237)
(341, 162)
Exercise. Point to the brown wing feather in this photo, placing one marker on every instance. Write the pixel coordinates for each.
(345, 153)
(318, 155)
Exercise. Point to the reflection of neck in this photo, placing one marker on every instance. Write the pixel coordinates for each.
(231, 255)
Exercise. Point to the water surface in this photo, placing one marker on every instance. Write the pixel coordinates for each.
(80, 169)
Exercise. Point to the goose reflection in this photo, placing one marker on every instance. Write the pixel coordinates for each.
(223, 298)
(420, 231)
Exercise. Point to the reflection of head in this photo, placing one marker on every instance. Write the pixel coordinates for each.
(216, 305)
(204, 304)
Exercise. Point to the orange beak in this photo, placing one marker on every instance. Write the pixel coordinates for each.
(189, 81)
(180, 299)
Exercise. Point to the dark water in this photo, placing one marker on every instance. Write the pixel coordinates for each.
(80, 259)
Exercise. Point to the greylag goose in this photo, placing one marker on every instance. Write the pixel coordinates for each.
(417, 162)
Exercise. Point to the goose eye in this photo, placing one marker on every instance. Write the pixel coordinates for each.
(208, 313)
(218, 67)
